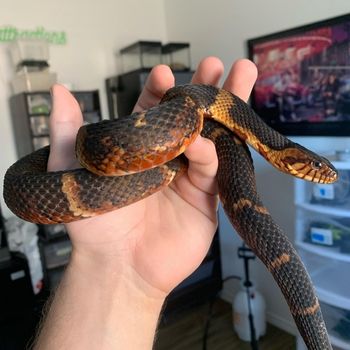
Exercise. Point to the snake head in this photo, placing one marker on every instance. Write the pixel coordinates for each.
(305, 164)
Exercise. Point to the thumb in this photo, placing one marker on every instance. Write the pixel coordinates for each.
(65, 121)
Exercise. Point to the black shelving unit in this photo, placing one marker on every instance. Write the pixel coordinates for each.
(30, 117)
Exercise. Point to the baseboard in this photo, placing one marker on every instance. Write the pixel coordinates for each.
(229, 290)
(281, 323)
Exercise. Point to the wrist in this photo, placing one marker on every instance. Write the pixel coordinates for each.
(101, 305)
(114, 272)
(125, 303)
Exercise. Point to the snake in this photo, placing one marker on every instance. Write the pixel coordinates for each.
(130, 158)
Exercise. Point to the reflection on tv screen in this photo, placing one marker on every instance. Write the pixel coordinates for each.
(304, 75)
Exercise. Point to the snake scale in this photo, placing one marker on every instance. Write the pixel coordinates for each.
(145, 148)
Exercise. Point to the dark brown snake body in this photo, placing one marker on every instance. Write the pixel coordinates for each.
(149, 140)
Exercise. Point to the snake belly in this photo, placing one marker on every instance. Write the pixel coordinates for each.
(64, 196)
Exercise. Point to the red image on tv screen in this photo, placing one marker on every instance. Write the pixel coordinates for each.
(304, 76)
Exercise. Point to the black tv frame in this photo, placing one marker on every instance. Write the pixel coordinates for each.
(332, 128)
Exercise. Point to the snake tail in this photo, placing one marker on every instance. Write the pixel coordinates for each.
(240, 201)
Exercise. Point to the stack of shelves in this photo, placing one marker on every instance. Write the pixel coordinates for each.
(323, 242)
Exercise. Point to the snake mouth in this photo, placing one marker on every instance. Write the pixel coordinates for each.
(305, 164)
(332, 177)
(308, 173)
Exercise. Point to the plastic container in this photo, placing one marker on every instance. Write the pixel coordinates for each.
(177, 56)
(241, 314)
(22, 50)
(326, 231)
(142, 54)
(33, 81)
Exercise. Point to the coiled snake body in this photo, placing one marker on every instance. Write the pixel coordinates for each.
(152, 140)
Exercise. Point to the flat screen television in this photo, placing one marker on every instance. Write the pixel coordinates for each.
(303, 87)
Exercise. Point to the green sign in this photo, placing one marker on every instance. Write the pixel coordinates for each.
(10, 33)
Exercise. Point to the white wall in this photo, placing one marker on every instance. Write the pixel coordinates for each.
(96, 30)
(221, 28)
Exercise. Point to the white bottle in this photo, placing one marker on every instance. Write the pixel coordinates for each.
(241, 313)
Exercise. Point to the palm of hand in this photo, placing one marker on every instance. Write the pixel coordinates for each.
(163, 238)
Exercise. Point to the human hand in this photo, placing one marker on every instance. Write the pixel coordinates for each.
(159, 241)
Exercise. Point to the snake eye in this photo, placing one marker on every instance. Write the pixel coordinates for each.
(317, 165)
